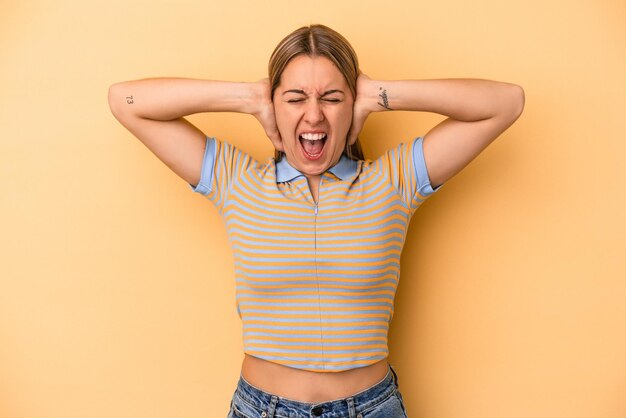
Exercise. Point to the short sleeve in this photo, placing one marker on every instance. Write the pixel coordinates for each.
(222, 167)
(405, 169)
(424, 188)
(208, 168)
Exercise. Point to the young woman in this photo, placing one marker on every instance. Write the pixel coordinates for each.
(317, 230)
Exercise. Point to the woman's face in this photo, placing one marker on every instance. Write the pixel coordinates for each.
(313, 106)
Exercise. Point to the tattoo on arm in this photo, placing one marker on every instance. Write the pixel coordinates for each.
(385, 100)
(130, 100)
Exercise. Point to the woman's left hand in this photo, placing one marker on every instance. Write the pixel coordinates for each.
(365, 103)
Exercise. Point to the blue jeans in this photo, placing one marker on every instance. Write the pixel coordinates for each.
(383, 400)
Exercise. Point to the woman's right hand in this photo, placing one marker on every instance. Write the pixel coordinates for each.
(153, 110)
(263, 111)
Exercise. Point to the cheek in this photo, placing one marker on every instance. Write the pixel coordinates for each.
(285, 119)
(344, 118)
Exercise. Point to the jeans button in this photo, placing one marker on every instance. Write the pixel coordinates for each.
(317, 411)
(263, 414)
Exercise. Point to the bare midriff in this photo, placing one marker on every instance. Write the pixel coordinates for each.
(308, 386)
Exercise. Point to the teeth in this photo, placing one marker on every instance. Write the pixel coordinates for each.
(313, 137)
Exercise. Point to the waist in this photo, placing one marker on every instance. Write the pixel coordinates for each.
(309, 386)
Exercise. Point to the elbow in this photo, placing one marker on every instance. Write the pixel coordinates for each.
(510, 105)
(517, 101)
(114, 98)
(119, 100)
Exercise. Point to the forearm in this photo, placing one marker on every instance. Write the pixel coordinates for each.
(465, 100)
(172, 98)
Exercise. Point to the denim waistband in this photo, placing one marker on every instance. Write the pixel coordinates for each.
(281, 406)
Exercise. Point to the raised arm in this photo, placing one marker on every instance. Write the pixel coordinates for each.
(478, 111)
(154, 109)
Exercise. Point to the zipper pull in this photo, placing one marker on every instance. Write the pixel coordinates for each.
(316, 208)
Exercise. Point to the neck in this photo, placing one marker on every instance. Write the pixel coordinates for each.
(314, 185)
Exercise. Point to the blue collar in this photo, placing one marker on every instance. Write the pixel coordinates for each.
(344, 169)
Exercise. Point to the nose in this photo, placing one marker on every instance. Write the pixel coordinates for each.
(313, 113)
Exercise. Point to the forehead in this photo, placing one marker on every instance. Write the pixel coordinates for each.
(312, 74)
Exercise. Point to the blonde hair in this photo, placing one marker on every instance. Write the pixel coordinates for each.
(317, 41)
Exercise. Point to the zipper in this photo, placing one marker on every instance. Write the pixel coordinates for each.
(315, 212)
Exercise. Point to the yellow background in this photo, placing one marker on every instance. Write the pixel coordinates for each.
(116, 286)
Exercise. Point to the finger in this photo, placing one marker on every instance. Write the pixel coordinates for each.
(271, 129)
(352, 135)
(357, 125)
(276, 139)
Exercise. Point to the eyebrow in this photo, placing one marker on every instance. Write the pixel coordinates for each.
(326, 93)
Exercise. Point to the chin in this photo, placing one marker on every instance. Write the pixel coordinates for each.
(314, 171)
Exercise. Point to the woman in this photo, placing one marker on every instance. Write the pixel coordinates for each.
(316, 231)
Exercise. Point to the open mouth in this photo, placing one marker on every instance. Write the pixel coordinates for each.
(313, 144)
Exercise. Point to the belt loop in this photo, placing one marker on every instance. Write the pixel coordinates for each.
(271, 409)
(395, 376)
(351, 408)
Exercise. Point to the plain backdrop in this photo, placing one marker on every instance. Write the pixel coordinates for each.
(116, 280)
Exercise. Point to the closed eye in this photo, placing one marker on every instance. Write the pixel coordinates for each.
(325, 100)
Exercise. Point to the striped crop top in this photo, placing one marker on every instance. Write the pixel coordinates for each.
(315, 283)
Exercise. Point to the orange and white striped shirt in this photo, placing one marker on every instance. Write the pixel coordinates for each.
(316, 282)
